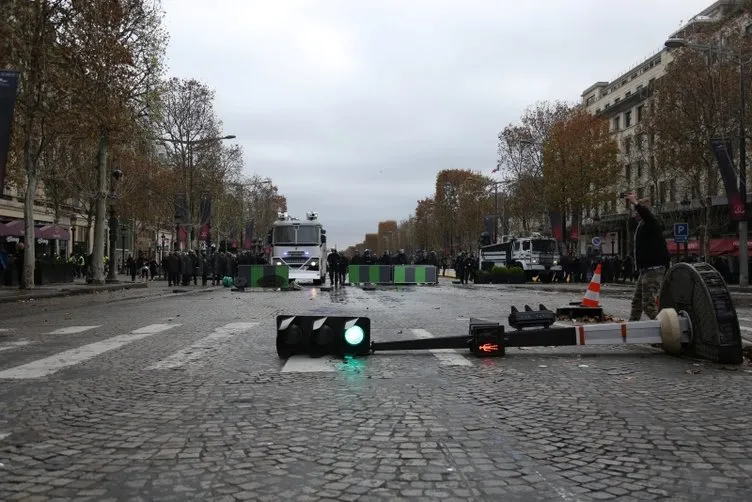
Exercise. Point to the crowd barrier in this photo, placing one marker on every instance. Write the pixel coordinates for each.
(392, 274)
(415, 274)
(263, 276)
(369, 274)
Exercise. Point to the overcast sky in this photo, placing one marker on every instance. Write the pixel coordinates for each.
(353, 106)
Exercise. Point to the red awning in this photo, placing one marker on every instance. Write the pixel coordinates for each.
(13, 229)
(718, 247)
(52, 232)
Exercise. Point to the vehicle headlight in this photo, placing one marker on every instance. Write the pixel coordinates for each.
(556, 262)
(278, 263)
(314, 263)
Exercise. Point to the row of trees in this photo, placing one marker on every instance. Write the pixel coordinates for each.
(558, 157)
(93, 101)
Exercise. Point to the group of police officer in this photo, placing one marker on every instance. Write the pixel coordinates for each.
(336, 265)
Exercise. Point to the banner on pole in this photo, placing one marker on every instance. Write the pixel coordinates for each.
(724, 155)
(8, 91)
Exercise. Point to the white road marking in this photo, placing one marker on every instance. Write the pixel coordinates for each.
(56, 362)
(71, 330)
(4, 435)
(14, 345)
(745, 319)
(5, 330)
(446, 357)
(305, 364)
(203, 346)
(744, 328)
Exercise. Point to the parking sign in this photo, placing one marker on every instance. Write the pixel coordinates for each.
(681, 232)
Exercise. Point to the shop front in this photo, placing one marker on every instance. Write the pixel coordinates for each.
(50, 266)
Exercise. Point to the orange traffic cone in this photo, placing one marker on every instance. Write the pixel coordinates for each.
(593, 293)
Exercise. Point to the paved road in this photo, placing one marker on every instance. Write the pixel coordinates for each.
(183, 398)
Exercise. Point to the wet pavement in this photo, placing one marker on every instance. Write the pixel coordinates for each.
(184, 398)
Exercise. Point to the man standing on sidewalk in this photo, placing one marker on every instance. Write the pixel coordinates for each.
(651, 259)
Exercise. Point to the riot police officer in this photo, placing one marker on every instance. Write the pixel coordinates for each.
(332, 260)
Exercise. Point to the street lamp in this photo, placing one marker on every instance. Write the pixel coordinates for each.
(117, 174)
(161, 256)
(73, 234)
(685, 203)
(677, 43)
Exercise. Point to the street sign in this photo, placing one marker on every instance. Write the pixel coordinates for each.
(681, 232)
(596, 241)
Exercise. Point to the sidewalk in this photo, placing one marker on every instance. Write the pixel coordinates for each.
(10, 294)
(582, 286)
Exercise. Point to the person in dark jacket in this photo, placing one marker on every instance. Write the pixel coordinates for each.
(651, 259)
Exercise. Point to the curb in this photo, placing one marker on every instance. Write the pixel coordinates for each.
(84, 290)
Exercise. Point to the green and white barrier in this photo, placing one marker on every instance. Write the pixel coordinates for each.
(369, 274)
(415, 274)
(263, 276)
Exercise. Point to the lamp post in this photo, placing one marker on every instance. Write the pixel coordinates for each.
(114, 223)
(676, 43)
(161, 257)
(685, 203)
(73, 234)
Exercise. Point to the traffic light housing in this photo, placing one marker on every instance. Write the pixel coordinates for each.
(486, 338)
(319, 336)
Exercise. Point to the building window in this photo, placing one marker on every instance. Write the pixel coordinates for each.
(652, 193)
(628, 173)
(629, 93)
(628, 145)
(640, 110)
(616, 123)
(627, 119)
(590, 100)
(616, 100)
(639, 170)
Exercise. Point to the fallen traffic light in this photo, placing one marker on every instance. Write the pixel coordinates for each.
(529, 318)
(486, 338)
(320, 336)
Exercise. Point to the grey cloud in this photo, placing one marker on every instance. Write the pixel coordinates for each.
(353, 106)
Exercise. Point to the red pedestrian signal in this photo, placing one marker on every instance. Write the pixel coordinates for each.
(486, 338)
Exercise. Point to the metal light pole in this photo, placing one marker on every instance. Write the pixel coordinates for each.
(675, 43)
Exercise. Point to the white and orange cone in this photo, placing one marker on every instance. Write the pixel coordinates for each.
(593, 293)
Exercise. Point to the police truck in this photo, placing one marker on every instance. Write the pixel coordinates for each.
(301, 245)
(536, 255)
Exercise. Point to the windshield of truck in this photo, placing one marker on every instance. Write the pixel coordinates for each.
(284, 236)
(544, 246)
(308, 236)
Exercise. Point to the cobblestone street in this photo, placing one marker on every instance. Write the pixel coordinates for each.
(184, 398)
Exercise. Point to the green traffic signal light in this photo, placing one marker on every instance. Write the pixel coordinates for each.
(354, 335)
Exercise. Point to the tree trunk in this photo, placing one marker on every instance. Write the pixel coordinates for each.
(100, 215)
(27, 279)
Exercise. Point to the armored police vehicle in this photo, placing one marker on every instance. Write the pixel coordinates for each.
(301, 246)
(536, 255)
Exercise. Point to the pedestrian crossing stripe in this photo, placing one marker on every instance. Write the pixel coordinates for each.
(56, 362)
(72, 330)
(446, 357)
(199, 349)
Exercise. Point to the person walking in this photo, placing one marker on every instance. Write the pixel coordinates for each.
(651, 259)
